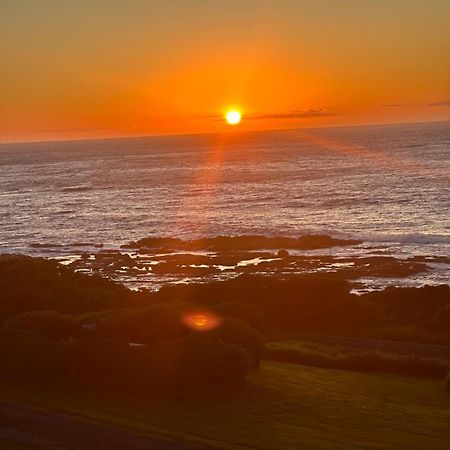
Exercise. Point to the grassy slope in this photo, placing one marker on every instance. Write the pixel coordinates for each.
(284, 406)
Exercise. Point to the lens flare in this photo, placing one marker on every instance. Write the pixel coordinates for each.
(201, 320)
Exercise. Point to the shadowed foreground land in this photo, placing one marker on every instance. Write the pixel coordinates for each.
(88, 347)
(27, 428)
(283, 406)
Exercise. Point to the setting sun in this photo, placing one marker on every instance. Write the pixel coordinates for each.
(233, 117)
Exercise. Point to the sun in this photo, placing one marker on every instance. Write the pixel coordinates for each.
(233, 117)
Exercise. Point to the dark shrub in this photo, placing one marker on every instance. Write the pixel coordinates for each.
(198, 360)
(235, 332)
(321, 304)
(204, 360)
(300, 303)
(171, 354)
(142, 325)
(250, 314)
(155, 323)
(417, 306)
(103, 324)
(315, 305)
(220, 356)
(31, 284)
(195, 361)
(51, 324)
(363, 361)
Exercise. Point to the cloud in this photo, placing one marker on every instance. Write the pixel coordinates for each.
(397, 105)
(441, 103)
(299, 114)
(406, 105)
(77, 130)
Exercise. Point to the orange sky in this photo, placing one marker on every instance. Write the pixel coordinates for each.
(79, 69)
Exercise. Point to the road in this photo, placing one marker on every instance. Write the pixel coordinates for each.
(46, 430)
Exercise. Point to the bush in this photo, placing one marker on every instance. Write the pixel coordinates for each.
(425, 307)
(171, 354)
(195, 361)
(204, 360)
(36, 284)
(51, 324)
(155, 323)
(220, 356)
(143, 325)
(363, 361)
(250, 314)
(235, 332)
(100, 324)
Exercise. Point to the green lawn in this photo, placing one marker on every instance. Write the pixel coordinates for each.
(283, 406)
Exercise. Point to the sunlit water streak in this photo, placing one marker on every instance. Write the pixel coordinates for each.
(387, 185)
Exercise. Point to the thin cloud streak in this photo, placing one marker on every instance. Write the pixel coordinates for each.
(412, 105)
(398, 105)
(305, 114)
(442, 103)
(79, 130)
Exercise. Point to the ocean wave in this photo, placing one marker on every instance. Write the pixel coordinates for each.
(80, 188)
(50, 245)
(63, 212)
(410, 238)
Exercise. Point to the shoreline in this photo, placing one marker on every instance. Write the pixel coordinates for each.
(150, 263)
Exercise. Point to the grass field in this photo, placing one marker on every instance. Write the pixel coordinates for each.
(283, 406)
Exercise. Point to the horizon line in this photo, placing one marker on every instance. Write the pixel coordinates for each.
(229, 132)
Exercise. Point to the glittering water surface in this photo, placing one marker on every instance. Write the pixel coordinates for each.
(388, 185)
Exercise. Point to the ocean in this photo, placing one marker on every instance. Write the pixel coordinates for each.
(387, 185)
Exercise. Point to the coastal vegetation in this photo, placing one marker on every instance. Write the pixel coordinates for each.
(59, 323)
(342, 358)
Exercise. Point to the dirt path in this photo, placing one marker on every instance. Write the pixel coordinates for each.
(47, 430)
